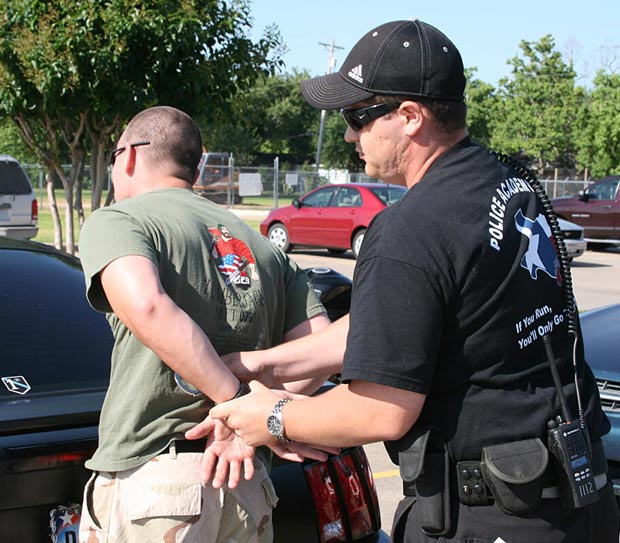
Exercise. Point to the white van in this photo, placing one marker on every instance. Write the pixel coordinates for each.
(18, 202)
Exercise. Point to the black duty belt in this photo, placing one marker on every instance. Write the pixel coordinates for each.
(474, 489)
(513, 476)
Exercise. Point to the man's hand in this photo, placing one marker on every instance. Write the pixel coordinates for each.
(247, 415)
(224, 454)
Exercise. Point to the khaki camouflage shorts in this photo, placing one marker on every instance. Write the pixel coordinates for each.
(165, 501)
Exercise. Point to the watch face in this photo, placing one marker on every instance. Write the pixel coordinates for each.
(274, 425)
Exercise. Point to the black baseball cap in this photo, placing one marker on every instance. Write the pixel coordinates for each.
(404, 58)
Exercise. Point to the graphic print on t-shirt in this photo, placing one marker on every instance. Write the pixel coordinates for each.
(234, 258)
(541, 253)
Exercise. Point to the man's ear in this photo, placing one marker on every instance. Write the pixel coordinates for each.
(130, 164)
(414, 115)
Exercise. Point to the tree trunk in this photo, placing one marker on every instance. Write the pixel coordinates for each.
(72, 134)
(102, 140)
(70, 237)
(99, 165)
(110, 197)
(78, 200)
(51, 197)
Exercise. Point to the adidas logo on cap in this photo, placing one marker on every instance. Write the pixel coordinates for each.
(356, 73)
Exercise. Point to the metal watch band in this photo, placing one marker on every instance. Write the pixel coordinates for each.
(275, 424)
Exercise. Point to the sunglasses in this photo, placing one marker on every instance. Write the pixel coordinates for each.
(119, 150)
(359, 118)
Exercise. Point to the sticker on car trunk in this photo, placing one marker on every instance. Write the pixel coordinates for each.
(16, 384)
(65, 523)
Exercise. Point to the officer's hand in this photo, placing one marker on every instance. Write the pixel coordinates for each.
(247, 415)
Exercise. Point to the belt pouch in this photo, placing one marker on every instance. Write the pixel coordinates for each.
(424, 469)
(514, 474)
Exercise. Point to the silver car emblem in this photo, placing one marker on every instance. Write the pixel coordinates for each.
(16, 384)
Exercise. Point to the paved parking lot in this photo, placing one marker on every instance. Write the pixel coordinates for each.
(596, 283)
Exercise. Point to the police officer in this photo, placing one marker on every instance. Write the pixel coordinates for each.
(459, 295)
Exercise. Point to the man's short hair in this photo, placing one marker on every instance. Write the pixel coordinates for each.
(175, 142)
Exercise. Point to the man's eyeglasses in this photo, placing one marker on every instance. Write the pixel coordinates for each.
(359, 118)
(119, 150)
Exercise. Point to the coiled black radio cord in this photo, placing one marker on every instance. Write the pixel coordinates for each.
(570, 305)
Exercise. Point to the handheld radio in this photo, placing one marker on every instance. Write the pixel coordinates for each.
(569, 443)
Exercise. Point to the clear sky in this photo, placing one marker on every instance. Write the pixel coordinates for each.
(487, 32)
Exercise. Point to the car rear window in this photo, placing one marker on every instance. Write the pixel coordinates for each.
(13, 180)
(389, 194)
(50, 335)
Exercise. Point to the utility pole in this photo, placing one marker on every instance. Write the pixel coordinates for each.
(330, 66)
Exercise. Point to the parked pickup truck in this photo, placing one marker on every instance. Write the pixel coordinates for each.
(597, 210)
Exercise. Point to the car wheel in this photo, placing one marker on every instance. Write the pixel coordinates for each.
(357, 242)
(278, 235)
(336, 251)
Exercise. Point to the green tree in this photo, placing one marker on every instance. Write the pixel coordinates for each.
(271, 118)
(537, 107)
(481, 102)
(598, 128)
(12, 144)
(336, 152)
(72, 72)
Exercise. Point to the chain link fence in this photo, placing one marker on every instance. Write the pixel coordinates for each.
(271, 186)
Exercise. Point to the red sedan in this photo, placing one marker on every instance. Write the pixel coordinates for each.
(333, 216)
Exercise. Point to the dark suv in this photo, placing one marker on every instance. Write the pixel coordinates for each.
(597, 210)
(18, 202)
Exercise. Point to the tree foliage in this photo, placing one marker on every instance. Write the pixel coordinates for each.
(270, 118)
(538, 106)
(12, 144)
(598, 129)
(72, 72)
(481, 102)
(336, 152)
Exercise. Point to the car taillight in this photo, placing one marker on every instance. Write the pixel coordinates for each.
(23, 459)
(34, 210)
(329, 515)
(344, 496)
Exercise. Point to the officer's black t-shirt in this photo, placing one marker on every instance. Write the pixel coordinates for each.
(455, 286)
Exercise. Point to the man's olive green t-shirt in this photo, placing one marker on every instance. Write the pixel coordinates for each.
(242, 291)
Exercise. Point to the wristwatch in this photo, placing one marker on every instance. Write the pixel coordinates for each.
(275, 424)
